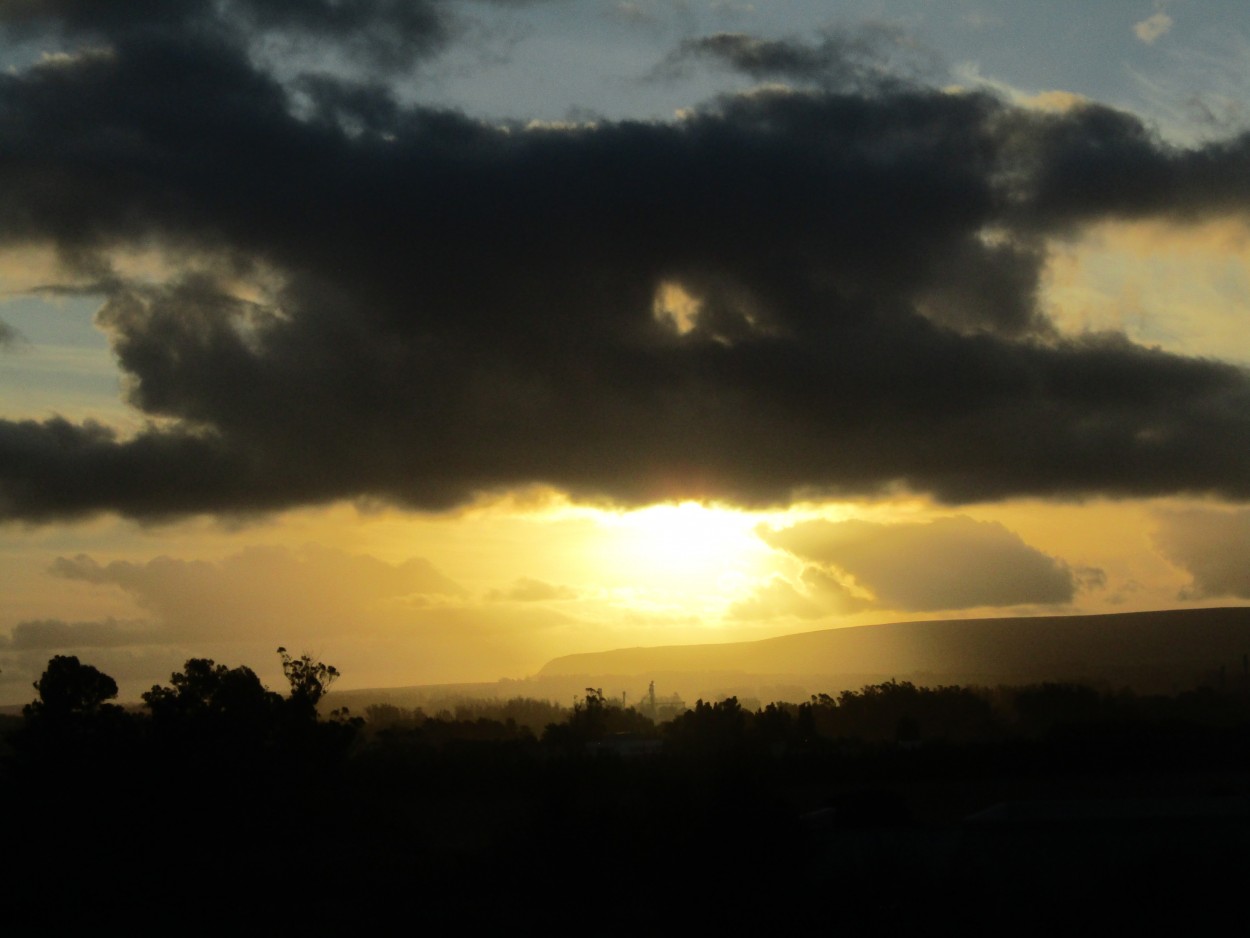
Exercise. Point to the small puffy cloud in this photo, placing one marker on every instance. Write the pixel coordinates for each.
(1152, 27)
(10, 338)
(1213, 546)
(948, 563)
(528, 590)
(1090, 578)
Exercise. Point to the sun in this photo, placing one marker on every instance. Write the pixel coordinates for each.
(699, 551)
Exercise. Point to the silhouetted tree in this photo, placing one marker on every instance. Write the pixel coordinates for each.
(775, 727)
(204, 689)
(709, 727)
(71, 731)
(310, 681)
(68, 686)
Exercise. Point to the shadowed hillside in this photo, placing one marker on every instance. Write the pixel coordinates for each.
(1149, 652)
(1145, 650)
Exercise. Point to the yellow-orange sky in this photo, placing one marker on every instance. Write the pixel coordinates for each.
(511, 585)
(442, 363)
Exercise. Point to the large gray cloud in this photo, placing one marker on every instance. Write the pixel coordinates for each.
(262, 592)
(464, 307)
(948, 563)
(1213, 546)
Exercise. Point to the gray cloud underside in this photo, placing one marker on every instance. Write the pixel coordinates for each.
(529, 590)
(53, 634)
(466, 307)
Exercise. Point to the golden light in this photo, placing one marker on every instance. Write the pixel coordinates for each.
(674, 306)
(687, 539)
(1181, 287)
(688, 557)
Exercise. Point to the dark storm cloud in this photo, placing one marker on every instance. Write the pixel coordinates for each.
(1094, 161)
(766, 58)
(949, 563)
(384, 33)
(870, 55)
(1213, 546)
(438, 307)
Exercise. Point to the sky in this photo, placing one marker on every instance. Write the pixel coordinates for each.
(437, 338)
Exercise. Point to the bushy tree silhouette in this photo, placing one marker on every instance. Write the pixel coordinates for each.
(71, 735)
(709, 727)
(205, 690)
(67, 686)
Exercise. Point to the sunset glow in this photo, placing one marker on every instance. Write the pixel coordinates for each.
(518, 331)
(625, 467)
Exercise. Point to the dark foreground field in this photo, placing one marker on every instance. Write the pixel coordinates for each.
(218, 808)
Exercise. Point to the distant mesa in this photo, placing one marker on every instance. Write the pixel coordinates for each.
(1149, 652)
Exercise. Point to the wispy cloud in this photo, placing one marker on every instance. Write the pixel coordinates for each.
(1153, 27)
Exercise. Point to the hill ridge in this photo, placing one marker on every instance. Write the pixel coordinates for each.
(1018, 648)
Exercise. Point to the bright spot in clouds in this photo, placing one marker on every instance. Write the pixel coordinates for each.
(687, 550)
(674, 306)
(1180, 287)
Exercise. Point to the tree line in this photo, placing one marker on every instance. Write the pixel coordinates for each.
(220, 793)
(208, 704)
